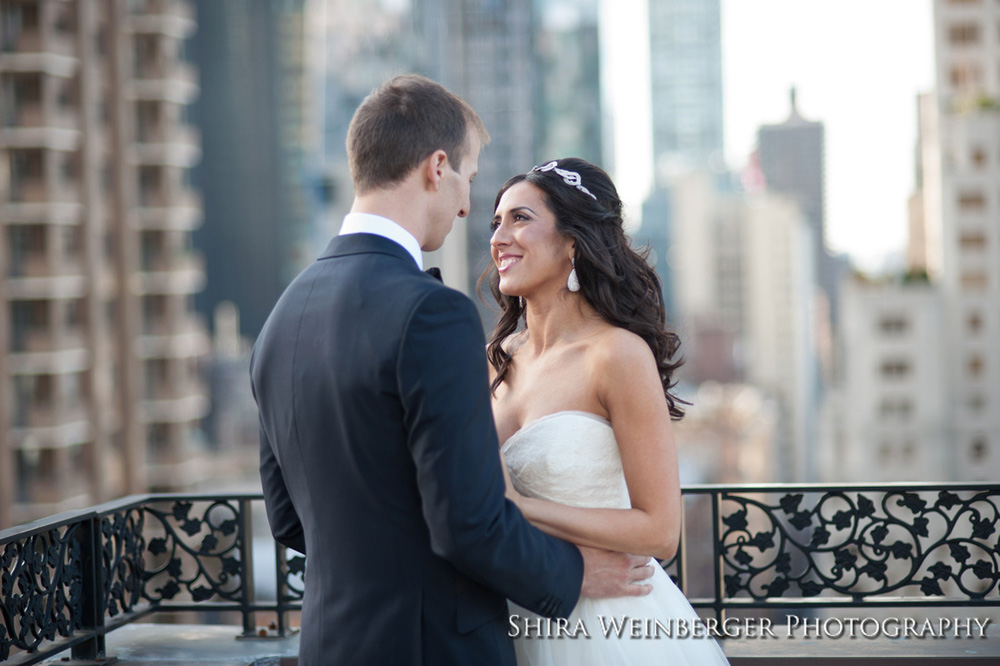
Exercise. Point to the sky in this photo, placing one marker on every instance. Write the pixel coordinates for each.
(857, 65)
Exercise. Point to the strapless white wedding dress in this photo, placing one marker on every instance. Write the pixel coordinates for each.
(571, 457)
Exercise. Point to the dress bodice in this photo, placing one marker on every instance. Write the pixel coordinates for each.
(570, 457)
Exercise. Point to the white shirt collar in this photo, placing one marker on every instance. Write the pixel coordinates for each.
(366, 223)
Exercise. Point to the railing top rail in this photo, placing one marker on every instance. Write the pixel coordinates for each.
(131, 501)
(902, 486)
(71, 517)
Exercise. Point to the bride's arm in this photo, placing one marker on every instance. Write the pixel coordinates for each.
(511, 493)
(629, 387)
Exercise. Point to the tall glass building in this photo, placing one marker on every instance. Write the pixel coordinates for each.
(685, 51)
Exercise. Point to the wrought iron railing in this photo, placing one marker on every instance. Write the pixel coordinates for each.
(835, 546)
(69, 580)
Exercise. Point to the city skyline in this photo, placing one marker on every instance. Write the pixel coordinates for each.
(846, 77)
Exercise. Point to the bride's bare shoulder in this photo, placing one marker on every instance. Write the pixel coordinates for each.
(620, 350)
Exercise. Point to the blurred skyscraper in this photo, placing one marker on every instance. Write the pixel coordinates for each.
(923, 380)
(485, 52)
(792, 159)
(685, 45)
(530, 69)
(744, 276)
(961, 196)
(894, 407)
(99, 345)
(685, 50)
(569, 60)
(363, 43)
(259, 173)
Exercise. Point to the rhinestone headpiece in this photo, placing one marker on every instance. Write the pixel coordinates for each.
(571, 178)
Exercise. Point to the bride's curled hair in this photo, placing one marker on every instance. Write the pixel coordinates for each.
(614, 279)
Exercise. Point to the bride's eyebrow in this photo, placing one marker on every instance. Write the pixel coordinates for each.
(496, 216)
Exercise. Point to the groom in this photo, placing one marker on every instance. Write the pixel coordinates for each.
(379, 457)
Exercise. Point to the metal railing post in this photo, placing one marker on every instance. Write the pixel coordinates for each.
(720, 614)
(248, 597)
(92, 593)
(682, 577)
(281, 587)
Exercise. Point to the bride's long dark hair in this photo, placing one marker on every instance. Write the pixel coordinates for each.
(614, 279)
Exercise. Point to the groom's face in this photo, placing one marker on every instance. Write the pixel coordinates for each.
(454, 193)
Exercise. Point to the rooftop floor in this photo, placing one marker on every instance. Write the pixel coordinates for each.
(215, 645)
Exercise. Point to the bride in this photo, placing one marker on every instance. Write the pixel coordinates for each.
(581, 366)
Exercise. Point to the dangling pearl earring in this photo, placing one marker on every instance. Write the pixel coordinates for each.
(573, 282)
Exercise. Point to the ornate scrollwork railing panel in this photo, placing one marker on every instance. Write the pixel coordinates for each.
(295, 576)
(193, 552)
(860, 544)
(122, 552)
(40, 589)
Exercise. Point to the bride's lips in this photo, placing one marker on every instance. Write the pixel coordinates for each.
(505, 261)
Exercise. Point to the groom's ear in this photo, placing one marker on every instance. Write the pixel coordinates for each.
(433, 167)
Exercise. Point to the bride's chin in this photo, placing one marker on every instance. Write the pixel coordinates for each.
(506, 290)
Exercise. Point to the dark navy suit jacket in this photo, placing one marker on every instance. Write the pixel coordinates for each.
(379, 460)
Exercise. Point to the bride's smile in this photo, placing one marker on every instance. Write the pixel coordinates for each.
(530, 254)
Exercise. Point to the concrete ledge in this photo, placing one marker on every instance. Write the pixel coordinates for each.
(217, 645)
(198, 645)
(794, 648)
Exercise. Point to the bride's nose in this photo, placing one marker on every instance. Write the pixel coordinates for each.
(499, 236)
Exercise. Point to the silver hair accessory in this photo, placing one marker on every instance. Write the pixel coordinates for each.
(571, 178)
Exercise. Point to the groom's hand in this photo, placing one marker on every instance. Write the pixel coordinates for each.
(610, 574)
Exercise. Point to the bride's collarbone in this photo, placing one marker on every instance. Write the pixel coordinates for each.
(541, 394)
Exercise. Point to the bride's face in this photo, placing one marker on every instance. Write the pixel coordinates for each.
(530, 254)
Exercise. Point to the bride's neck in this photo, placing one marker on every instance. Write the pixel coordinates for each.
(552, 322)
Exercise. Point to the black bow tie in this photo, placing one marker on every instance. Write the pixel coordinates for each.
(435, 273)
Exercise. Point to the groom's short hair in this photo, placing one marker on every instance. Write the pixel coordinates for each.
(400, 123)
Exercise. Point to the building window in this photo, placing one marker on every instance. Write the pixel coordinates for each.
(27, 173)
(895, 369)
(157, 379)
(158, 438)
(909, 450)
(27, 320)
(884, 452)
(977, 450)
(965, 76)
(979, 157)
(971, 201)
(74, 314)
(963, 33)
(893, 325)
(974, 323)
(975, 280)
(976, 366)
(895, 408)
(972, 241)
